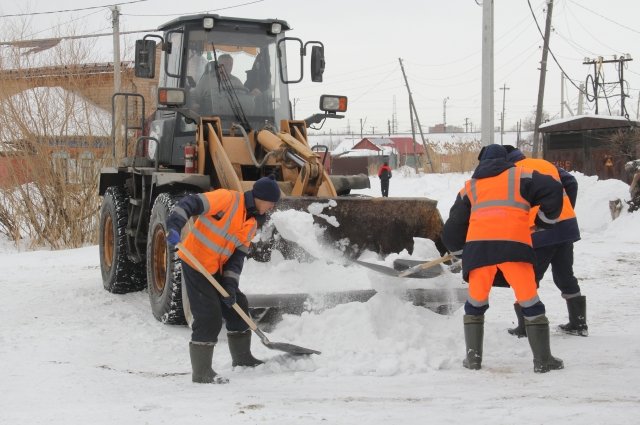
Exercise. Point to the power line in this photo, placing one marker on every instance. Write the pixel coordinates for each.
(66, 23)
(20, 43)
(203, 11)
(605, 18)
(15, 15)
(550, 51)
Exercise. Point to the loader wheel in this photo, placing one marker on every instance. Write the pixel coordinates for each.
(164, 270)
(119, 274)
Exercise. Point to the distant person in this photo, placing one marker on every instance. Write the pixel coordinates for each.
(633, 167)
(488, 227)
(226, 222)
(554, 247)
(384, 173)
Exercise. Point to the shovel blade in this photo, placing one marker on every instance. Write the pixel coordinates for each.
(290, 348)
(399, 266)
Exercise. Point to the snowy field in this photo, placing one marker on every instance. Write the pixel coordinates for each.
(72, 353)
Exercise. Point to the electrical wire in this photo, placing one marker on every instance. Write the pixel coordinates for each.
(74, 37)
(69, 10)
(605, 18)
(203, 11)
(550, 51)
(590, 33)
(64, 23)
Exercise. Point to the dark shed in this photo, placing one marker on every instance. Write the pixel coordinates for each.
(586, 143)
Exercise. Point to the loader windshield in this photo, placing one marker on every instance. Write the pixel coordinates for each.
(252, 86)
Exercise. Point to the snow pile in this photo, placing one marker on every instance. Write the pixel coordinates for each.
(78, 354)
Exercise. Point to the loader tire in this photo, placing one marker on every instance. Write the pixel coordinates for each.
(120, 275)
(164, 270)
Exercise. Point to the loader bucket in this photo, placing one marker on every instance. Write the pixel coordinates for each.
(382, 225)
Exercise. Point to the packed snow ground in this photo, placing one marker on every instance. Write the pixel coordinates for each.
(72, 353)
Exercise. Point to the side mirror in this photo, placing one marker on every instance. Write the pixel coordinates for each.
(317, 63)
(145, 66)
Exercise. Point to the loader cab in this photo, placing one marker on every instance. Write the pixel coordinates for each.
(232, 68)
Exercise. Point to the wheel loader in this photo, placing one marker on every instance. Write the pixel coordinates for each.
(223, 120)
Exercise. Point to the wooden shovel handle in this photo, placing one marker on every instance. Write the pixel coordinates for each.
(216, 285)
(425, 266)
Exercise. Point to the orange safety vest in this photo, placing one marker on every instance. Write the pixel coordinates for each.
(545, 167)
(222, 228)
(498, 211)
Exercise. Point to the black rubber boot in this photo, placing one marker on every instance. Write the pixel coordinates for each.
(520, 330)
(538, 334)
(473, 336)
(240, 349)
(201, 355)
(577, 307)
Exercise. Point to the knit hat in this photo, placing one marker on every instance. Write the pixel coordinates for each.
(266, 189)
(493, 151)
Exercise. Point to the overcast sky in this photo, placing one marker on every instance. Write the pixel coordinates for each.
(439, 42)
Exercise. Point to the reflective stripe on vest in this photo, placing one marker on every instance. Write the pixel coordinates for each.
(220, 229)
(545, 167)
(498, 211)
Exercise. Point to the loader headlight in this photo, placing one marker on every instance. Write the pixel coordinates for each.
(276, 28)
(332, 104)
(207, 23)
(170, 96)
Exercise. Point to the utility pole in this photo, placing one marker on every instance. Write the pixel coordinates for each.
(597, 67)
(119, 137)
(295, 101)
(487, 73)
(413, 136)
(543, 74)
(115, 20)
(581, 99)
(504, 89)
(373, 129)
(412, 107)
(444, 113)
(563, 103)
(394, 117)
(466, 125)
(362, 126)
(562, 94)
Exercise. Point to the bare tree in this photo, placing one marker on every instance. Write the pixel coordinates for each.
(53, 142)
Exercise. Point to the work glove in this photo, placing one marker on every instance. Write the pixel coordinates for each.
(230, 286)
(173, 237)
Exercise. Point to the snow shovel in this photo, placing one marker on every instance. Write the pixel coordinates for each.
(424, 266)
(281, 346)
(390, 271)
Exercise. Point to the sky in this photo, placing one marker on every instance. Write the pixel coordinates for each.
(73, 353)
(439, 43)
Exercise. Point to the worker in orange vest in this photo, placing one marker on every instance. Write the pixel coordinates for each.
(384, 173)
(554, 247)
(488, 227)
(226, 223)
